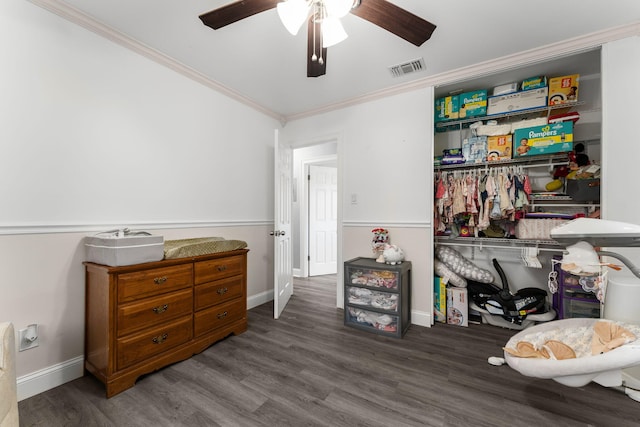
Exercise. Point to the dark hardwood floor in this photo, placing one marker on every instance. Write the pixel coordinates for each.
(307, 369)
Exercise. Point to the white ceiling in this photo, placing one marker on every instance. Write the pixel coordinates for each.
(258, 59)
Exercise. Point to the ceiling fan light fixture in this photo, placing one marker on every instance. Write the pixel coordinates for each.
(332, 31)
(293, 13)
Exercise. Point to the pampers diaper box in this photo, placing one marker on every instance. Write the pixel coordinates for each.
(546, 139)
(473, 104)
(447, 108)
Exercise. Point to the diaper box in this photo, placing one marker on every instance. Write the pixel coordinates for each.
(499, 147)
(517, 101)
(563, 90)
(123, 248)
(447, 108)
(474, 149)
(439, 300)
(472, 104)
(534, 83)
(547, 139)
(457, 307)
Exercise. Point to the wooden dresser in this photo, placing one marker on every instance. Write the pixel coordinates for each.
(140, 318)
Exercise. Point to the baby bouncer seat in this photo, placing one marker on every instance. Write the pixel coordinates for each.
(577, 351)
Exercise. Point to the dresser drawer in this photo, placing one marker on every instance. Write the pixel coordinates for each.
(218, 316)
(153, 311)
(208, 271)
(145, 283)
(139, 347)
(217, 292)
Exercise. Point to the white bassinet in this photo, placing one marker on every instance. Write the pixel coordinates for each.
(605, 369)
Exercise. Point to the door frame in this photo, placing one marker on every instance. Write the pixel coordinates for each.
(304, 220)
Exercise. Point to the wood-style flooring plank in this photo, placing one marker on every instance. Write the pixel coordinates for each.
(308, 369)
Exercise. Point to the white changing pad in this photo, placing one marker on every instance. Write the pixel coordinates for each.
(577, 333)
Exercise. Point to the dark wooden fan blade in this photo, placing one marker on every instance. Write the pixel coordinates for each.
(392, 18)
(236, 11)
(318, 67)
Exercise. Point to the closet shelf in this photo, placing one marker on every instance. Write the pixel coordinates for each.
(450, 124)
(492, 242)
(550, 159)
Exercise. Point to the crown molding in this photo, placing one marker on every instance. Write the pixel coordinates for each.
(520, 59)
(544, 53)
(75, 16)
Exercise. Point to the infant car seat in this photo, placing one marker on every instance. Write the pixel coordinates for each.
(514, 308)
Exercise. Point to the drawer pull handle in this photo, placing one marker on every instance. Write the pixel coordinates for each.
(160, 280)
(160, 339)
(160, 309)
(222, 291)
(222, 315)
(222, 267)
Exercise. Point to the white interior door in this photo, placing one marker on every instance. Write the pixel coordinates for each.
(323, 199)
(282, 252)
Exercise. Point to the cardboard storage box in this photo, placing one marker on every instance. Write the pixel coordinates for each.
(472, 104)
(457, 307)
(117, 249)
(547, 139)
(537, 228)
(499, 147)
(447, 108)
(563, 90)
(518, 101)
(474, 149)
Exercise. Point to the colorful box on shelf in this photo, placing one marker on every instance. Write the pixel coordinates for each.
(474, 149)
(563, 90)
(534, 83)
(472, 104)
(547, 139)
(447, 108)
(518, 101)
(499, 147)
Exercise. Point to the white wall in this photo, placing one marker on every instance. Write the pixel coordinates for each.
(620, 87)
(385, 160)
(93, 136)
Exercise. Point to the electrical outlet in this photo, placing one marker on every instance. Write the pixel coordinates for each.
(28, 337)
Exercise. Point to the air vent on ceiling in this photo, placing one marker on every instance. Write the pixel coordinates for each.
(408, 67)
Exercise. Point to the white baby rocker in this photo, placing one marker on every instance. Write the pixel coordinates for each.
(618, 367)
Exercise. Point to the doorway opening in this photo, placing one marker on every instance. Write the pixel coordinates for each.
(315, 210)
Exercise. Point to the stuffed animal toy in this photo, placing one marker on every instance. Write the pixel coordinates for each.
(392, 254)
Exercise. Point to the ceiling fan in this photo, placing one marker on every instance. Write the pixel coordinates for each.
(323, 29)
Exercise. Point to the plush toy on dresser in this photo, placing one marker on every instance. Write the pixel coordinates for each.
(392, 254)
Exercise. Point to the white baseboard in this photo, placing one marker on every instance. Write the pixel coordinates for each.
(259, 299)
(45, 379)
(421, 318)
